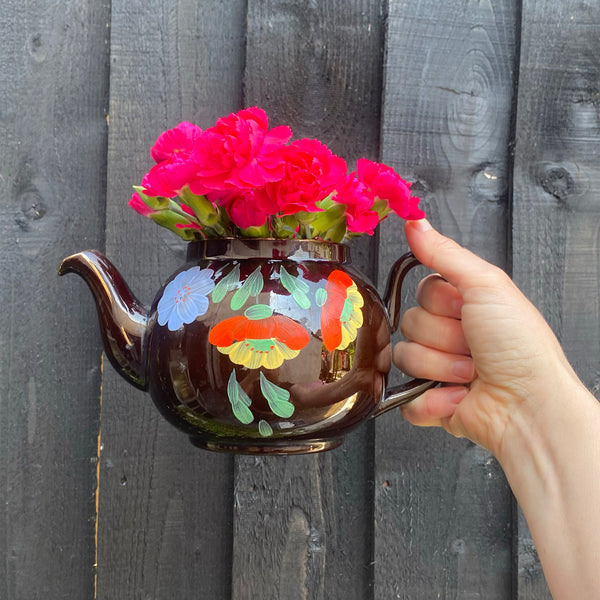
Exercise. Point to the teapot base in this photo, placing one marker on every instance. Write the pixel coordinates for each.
(272, 447)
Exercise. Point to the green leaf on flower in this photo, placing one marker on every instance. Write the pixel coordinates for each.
(296, 287)
(264, 428)
(284, 227)
(277, 397)
(256, 230)
(251, 287)
(327, 202)
(330, 223)
(336, 233)
(225, 284)
(239, 400)
(381, 207)
(305, 217)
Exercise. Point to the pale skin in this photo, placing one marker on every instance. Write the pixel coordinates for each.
(511, 390)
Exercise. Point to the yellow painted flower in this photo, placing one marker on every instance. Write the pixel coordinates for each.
(259, 338)
(341, 314)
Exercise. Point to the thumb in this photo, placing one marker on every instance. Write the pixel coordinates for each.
(455, 264)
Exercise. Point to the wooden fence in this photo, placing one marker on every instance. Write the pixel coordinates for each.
(491, 108)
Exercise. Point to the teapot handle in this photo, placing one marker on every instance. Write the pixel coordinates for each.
(400, 394)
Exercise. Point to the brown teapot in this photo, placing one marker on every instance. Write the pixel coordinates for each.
(257, 346)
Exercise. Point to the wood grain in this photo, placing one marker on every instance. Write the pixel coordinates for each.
(556, 203)
(303, 525)
(428, 87)
(165, 506)
(446, 125)
(53, 96)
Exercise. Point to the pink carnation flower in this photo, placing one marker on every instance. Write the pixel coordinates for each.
(239, 152)
(355, 195)
(383, 183)
(241, 207)
(311, 173)
(178, 141)
(168, 178)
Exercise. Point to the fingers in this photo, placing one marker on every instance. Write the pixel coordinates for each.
(456, 264)
(434, 407)
(423, 362)
(439, 297)
(441, 333)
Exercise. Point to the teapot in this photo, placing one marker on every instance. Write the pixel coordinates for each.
(256, 346)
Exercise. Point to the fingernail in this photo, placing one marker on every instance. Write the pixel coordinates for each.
(464, 369)
(421, 225)
(457, 305)
(456, 395)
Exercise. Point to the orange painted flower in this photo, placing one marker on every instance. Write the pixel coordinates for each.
(258, 338)
(341, 314)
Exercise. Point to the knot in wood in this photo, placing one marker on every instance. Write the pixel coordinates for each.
(557, 182)
(489, 183)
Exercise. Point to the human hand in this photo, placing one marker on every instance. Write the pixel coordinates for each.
(473, 329)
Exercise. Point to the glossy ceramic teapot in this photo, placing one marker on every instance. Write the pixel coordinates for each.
(256, 346)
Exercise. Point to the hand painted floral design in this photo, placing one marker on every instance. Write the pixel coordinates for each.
(258, 338)
(296, 287)
(341, 314)
(239, 400)
(185, 298)
(264, 428)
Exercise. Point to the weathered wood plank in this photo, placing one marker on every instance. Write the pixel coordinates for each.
(165, 506)
(556, 205)
(53, 98)
(442, 506)
(303, 525)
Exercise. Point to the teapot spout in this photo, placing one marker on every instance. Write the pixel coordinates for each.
(123, 319)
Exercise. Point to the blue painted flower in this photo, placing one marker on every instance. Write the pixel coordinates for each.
(185, 298)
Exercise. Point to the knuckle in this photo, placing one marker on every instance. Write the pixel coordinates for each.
(406, 324)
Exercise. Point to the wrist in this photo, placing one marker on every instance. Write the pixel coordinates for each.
(543, 425)
(550, 453)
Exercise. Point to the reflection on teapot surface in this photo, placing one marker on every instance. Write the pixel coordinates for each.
(255, 346)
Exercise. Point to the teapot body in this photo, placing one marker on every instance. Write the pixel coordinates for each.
(267, 346)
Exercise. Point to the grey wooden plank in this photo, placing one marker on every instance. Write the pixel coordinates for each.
(165, 506)
(303, 525)
(556, 201)
(442, 506)
(53, 97)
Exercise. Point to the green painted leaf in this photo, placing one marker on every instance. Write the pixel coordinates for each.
(264, 428)
(296, 287)
(321, 296)
(251, 287)
(255, 282)
(346, 310)
(277, 397)
(242, 413)
(226, 283)
(239, 400)
(257, 312)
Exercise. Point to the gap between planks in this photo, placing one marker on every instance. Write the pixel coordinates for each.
(97, 493)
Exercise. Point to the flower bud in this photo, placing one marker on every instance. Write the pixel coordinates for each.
(152, 202)
(176, 223)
